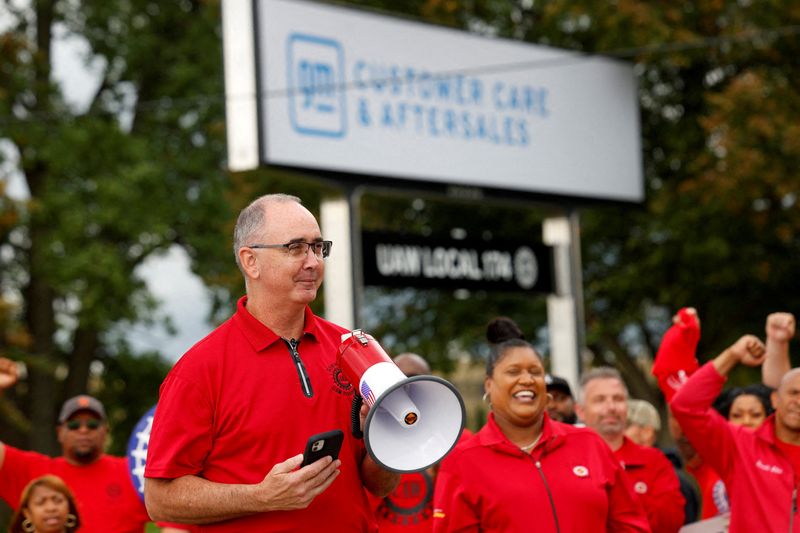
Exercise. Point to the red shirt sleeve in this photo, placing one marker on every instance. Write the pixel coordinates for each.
(182, 431)
(19, 468)
(706, 429)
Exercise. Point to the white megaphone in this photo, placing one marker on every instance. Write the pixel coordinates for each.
(412, 422)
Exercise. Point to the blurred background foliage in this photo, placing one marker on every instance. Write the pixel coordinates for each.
(140, 168)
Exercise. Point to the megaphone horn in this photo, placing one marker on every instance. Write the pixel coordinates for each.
(412, 422)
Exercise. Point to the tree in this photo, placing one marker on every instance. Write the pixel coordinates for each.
(133, 172)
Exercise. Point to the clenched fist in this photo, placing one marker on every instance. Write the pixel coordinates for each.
(8, 373)
(780, 327)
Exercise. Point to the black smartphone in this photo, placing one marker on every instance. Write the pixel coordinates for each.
(322, 444)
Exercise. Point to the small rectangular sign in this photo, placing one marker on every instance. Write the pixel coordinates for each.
(414, 261)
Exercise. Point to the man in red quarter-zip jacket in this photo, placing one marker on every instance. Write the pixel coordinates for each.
(603, 407)
(760, 468)
(235, 412)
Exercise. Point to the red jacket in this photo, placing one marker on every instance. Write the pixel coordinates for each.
(570, 483)
(654, 480)
(759, 479)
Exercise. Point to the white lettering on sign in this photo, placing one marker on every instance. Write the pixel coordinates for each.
(449, 262)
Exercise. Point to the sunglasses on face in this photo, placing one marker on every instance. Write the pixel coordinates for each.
(74, 425)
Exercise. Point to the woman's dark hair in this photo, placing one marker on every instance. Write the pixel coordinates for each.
(503, 334)
(762, 393)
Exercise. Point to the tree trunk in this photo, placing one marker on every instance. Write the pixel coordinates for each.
(83, 353)
(39, 314)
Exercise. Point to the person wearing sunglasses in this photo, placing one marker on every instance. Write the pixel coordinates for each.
(235, 412)
(101, 483)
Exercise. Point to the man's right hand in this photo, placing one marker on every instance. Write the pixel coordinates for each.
(749, 350)
(286, 488)
(8, 373)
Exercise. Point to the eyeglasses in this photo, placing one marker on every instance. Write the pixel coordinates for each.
(298, 249)
(74, 425)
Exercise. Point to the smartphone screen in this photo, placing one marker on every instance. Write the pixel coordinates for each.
(322, 444)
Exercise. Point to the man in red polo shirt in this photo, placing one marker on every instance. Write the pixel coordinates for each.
(603, 407)
(235, 412)
(104, 492)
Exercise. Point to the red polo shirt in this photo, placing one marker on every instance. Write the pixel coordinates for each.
(234, 406)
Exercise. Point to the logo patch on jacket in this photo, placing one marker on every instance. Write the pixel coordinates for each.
(580, 471)
(640, 487)
(772, 469)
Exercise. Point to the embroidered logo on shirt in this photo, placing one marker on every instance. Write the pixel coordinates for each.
(640, 487)
(580, 471)
(341, 385)
(113, 491)
(438, 513)
(772, 469)
(411, 502)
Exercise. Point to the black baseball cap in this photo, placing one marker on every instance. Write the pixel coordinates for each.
(557, 383)
(82, 402)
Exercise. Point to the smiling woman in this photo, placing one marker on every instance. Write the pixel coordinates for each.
(522, 464)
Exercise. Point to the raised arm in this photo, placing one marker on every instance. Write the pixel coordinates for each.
(748, 350)
(707, 430)
(780, 331)
(194, 500)
(8, 377)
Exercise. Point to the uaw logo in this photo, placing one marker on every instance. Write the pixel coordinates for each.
(316, 85)
(526, 269)
(137, 450)
(411, 502)
(341, 385)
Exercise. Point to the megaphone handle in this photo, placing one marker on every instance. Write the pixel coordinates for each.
(355, 416)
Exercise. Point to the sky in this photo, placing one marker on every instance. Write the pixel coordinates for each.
(182, 294)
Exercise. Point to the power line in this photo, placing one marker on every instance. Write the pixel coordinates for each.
(574, 57)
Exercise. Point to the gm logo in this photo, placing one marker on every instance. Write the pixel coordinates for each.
(316, 85)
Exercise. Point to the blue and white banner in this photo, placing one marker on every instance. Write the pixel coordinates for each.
(137, 450)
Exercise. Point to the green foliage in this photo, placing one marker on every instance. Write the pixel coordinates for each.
(136, 170)
(129, 387)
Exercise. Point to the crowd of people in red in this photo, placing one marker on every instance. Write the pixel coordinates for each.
(225, 449)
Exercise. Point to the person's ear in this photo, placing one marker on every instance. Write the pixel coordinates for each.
(249, 262)
(579, 411)
(773, 398)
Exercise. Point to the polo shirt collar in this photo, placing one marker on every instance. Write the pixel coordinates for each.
(260, 336)
(628, 454)
(491, 435)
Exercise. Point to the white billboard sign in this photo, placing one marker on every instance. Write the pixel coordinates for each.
(347, 91)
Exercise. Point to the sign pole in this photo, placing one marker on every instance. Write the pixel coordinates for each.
(564, 310)
(343, 287)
